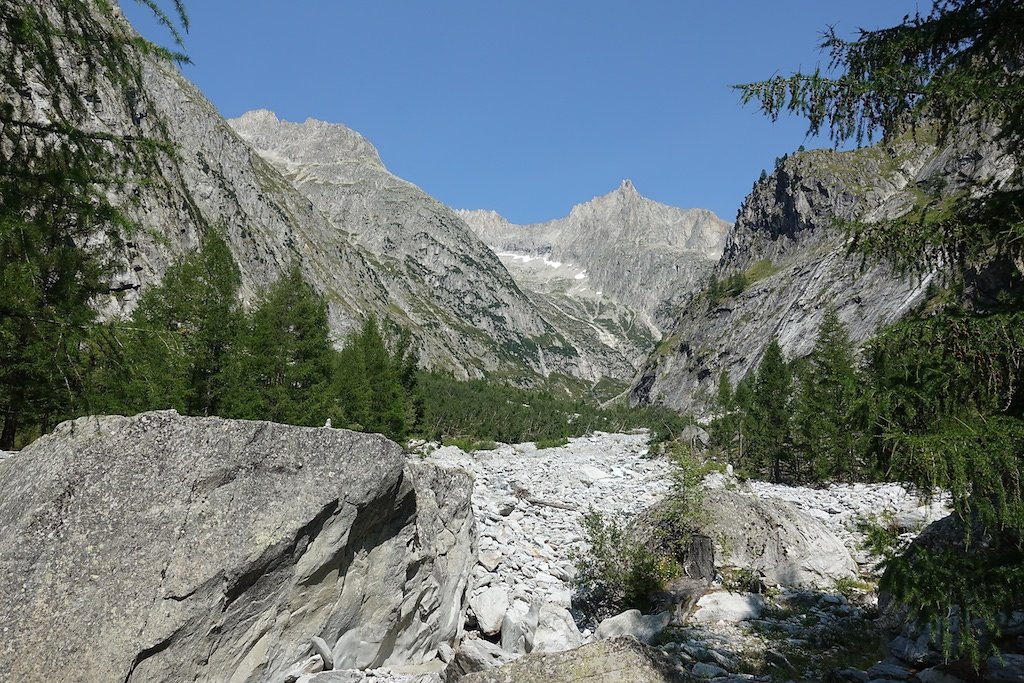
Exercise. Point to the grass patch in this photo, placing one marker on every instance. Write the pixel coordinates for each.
(551, 443)
(761, 270)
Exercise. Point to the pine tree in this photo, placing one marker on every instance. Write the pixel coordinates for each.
(57, 220)
(744, 399)
(945, 391)
(726, 427)
(825, 427)
(281, 368)
(172, 351)
(377, 389)
(770, 411)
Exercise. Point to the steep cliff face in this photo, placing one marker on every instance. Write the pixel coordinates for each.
(320, 197)
(617, 264)
(789, 243)
(441, 280)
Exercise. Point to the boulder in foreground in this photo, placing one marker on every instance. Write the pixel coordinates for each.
(167, 548)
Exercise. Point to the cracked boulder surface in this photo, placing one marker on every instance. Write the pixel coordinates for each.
(167, 548)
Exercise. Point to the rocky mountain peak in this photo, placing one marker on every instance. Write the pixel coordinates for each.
(312, 142)
(622, 248)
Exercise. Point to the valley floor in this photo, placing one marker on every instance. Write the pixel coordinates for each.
(529, 503)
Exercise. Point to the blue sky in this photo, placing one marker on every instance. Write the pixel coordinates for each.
(528, 107)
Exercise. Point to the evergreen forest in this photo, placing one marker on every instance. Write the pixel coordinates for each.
(190, 346)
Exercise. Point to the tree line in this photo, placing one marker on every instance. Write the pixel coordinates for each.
(191, 346)
(804, 421)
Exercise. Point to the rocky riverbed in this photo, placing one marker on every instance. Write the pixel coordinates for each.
(529, 504)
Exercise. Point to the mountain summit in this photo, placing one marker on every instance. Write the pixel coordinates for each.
(633, 251)
(442, 281)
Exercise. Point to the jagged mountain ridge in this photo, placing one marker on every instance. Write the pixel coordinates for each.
(789, 242)
(437, 270)
(369, 242)
(616, 264)
(625, 247)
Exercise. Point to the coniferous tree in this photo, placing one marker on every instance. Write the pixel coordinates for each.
(825, 428)
(378, 389)
(352, 384)
(770, 411)
(945, 391)
(726, 429)
(171, 352)
(744, 400)
(281, 368)
(57, 172)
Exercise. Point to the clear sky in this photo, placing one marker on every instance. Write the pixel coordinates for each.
(528, 106)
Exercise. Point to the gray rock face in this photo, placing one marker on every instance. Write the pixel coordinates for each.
(788, 546)
(787, 242)
(630, 249)
(449, 288)
(368, 241)
(621, 660)
(616, 264)
(163, 548)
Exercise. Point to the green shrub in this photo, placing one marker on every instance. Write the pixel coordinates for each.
(683, 512)
(881, 535)
(555, 442)
(619, 571)
(740, 579)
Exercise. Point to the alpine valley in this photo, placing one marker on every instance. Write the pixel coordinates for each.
(548, 440)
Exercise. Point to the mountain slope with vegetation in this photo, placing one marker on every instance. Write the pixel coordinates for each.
(787, 259)
(946, 411)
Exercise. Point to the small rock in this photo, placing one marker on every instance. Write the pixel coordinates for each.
(724, 661)
(721, 606)
(490, 606)
(1009, 670)
(519, 626)
(591, 473)
(705, 670)
(780, 660)
(490, 560)
(445, 652)
(914, 651)
(890, 669)
(853, 675)
(937, 675)
(556, 630)
(475, 654)
(632, 623)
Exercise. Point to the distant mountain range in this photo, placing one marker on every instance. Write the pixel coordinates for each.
(619, 263)
(586, 300)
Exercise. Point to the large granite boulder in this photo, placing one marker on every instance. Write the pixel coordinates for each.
(788, 546)
(620, 660)
(165, 548)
